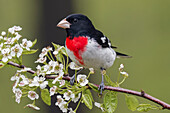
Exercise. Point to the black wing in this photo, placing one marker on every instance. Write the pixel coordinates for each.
(101, 39)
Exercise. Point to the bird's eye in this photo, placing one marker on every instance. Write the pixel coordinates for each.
(75, 20)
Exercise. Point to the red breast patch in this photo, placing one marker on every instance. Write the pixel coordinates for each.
(77, 45)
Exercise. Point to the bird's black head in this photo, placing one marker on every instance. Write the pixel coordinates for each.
(76, 23)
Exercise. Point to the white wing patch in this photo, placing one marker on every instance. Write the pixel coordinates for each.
(103, 39)
(109, 44)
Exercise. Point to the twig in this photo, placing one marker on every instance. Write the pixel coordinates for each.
(117, 89)
(20, 66)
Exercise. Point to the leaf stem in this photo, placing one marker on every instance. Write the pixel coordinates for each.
(118, 78)
(88, 75)
(51, 56)
(78, 105)
(122, 81)
(68, 101)
(48, 57)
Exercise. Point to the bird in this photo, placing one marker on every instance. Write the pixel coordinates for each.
(88, 47)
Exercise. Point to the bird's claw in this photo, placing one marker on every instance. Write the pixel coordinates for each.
(72, 80)
(101, 88)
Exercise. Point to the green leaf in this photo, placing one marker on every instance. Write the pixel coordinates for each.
(107, 78)
(87, 100)
(50, 84)
(45, 95)
(33, 43)
(87, 91)
(32, 51)
(35, 74)
(110, 101)
(146, 107)
(131, 102)
(56, 46)
(59, 57)
(95, 88)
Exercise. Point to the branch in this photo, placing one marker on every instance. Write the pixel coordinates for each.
(19, 66)
(117, 89)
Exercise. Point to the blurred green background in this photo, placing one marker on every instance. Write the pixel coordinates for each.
(140, 28)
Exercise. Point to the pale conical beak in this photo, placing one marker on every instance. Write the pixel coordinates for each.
(64, 24)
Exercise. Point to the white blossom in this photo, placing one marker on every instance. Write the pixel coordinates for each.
(58, 77)
(46, 68)
(44, 84)
(32, 106)
(25, 81)
(99, 105)
(34, 82)
(26, 44)
(91, 70)
(18, 100)
(62, 83)
(38, 67)
(54, 67)
(74, 66)
(1, 45)
(76, 98)
(39, 81)
(17, 37)
(15, 78)
(40, 71)
(121, 67)
(69, 94)
(124, 74)
(18, 95)
(13, 29)
(1, 37)
(71, 110)
(53, 90)
(45, 50)
(63, 107)
(58, 68)
(3, 33)
(17, 28)
(51, 66)
(15, 85)
(33, 95)
(6, 54)
(8, 41)
(82, 79)
(57, 50)
(59, 100)
(41, 60)
(16, 50)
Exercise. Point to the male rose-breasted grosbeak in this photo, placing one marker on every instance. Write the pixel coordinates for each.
(87, 46)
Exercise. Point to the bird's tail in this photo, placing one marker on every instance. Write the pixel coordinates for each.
(121, 55)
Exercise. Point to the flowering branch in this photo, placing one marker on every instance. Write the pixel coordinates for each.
(117, 89)
(53, 71)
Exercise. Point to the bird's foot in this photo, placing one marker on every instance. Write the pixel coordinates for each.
(72, 80)
(101, 88)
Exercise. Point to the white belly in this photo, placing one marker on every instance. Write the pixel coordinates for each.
(95, 56)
